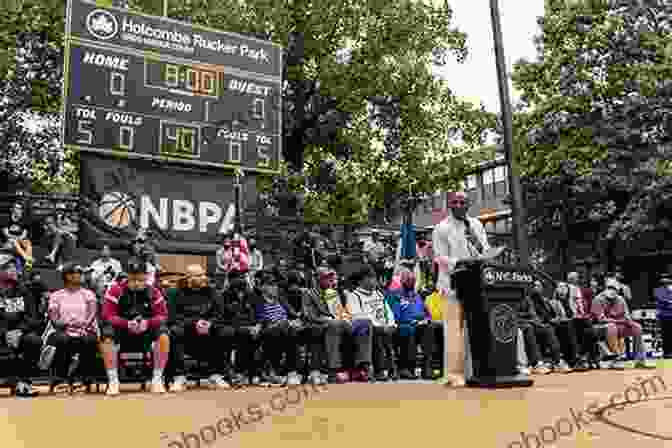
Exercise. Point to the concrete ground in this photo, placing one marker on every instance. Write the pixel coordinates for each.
(389, 415)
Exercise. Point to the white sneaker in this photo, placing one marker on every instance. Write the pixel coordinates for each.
(179, 384)
(218, 382)
(541, 369)
(158, 386)
(112, 389)
(617, 365)
(315, 378)
(562, 367)
(294, 379)
(523, 370)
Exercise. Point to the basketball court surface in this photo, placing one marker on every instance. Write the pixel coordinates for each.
(387, 415)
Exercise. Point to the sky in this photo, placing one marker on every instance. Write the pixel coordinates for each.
(476, 78)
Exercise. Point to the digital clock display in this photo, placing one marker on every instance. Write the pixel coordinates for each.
(216, 103)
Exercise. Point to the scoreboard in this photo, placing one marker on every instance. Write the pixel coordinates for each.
(150, 87)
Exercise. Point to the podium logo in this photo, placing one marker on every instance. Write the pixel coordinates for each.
(489, 276)
(503, 323)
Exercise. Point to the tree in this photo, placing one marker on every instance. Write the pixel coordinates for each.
(31, 65)
(340, 54)
(598, 95)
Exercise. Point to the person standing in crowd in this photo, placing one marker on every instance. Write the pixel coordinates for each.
(366, 302)
(611, 310)
(63, 231)
(256, 258)
(192, 320)
(295, 289)
(16, 249)
(375, 251)
(551, 313)
(19, 328)
(414, 326)
(324, 308)
(72, 339)
(104, 270)
(135, 317)
(232, 257)
(456, 237)
(663, 297)
(237, 316)
(536, 333)
(279, 329)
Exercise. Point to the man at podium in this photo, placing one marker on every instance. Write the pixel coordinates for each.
(456, 238)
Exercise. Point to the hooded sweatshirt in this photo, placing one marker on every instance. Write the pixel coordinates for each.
(408, 309)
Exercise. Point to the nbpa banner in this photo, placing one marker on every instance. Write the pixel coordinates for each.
(181, 204)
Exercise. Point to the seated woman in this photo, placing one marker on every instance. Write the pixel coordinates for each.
(578, 310)
(73, 328)
(611, 312)
(414, 326)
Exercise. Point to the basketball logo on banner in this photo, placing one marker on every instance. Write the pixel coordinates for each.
(117, 210)
(503, 323)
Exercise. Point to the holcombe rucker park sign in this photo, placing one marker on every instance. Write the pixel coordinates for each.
(144, 87)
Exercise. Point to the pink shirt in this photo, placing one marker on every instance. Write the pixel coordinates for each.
(77, 309)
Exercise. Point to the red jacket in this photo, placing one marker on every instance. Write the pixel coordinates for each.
(122, 305)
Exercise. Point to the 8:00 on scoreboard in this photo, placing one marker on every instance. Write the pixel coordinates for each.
(158, 106)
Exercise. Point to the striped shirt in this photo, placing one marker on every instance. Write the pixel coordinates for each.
(271, 312)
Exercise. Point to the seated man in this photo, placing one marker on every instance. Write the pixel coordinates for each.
(73, 316)
(551, 313)
(414, 326)
(611, 311)
(19, 326)
(323, 307)
(366, 302)
(237, 317)
(192, 320)
(311, 335)
(535, 331)
(279, 330)
(135, 317)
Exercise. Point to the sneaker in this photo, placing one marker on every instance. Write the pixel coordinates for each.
(179, 384)
(254, 381)
(273, 380)
(582, 366)
(523, 370)
(112, 389)
(406, 374)
(541, 369)
(562, 367)
(25, 390)
(382, 376)
(158, 386)
(645, 364)
(218, 382)
(617, 364)
(294, 379)
(340, 377)
(315, 378)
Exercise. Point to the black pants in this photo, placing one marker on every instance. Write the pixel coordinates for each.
(339, 335)
(425, 335)
(538, 336)
(30, 345)
(566, 332)
(67, 346)
(213, 348)
(666, 327)
(246, 344)
(312, 336)
(383, 348)
(281, 339)
(588, 337)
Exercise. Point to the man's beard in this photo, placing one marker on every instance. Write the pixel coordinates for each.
(459, 213)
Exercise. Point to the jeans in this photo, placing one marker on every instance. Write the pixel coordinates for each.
(67, 346)
(425, 335)
(338, 332)
(30, 345)
(383, 348)
(214, 348)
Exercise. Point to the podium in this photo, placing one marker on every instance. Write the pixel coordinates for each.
(491, 295)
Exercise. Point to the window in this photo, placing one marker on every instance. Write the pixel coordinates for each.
(500, 173)
(488, 184)
(471, 183)
(500, 182)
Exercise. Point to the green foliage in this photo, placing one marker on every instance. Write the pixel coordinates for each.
(599, 95)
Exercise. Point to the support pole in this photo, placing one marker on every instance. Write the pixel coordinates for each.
(518, 212)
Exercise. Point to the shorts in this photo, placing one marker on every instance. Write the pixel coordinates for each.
(129, 342)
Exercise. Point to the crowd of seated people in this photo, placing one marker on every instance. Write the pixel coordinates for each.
(276, 327)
